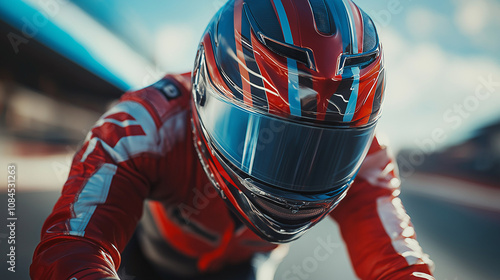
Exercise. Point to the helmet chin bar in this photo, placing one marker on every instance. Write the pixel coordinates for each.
(266, 227)
(259, 222)
(269, 228)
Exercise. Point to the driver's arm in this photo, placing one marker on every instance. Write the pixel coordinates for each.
(378, 233)
(101, 202)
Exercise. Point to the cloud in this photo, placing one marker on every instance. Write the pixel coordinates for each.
(425, 23)
(426, 81)
(479, 21)
(175, 48)
(472, 16)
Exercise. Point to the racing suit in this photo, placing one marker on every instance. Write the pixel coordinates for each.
(138, 166)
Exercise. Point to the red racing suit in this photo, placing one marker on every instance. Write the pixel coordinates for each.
(139, 161)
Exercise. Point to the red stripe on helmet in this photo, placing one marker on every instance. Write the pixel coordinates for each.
(213, 72)
(362, 116)
(366, 93)
(358, 22)
(245, 79)
(275, 71)
(326, 88)
(278, 97)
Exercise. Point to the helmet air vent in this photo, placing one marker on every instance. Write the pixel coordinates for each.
(322, 17)
(302, 55)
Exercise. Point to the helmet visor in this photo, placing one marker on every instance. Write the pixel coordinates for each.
(288, 155)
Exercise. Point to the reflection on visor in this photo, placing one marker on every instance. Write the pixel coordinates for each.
(285, 154)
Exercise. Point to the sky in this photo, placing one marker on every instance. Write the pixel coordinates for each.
(441, 57)
(443, 69)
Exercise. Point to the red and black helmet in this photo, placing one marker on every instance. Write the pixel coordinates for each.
(286, 96)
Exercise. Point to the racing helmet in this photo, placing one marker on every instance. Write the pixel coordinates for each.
(286, 96)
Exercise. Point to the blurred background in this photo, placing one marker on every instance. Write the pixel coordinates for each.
(63, 62)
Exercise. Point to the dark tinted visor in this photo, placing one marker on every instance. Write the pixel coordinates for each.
(280, 152)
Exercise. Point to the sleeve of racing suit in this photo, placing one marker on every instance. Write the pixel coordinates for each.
(375, 227)
(102, 200)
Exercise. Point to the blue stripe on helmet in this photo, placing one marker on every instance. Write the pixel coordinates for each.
(293, 88)
(293, 75)
(353, 99)
(285, 25)
(340, 16)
